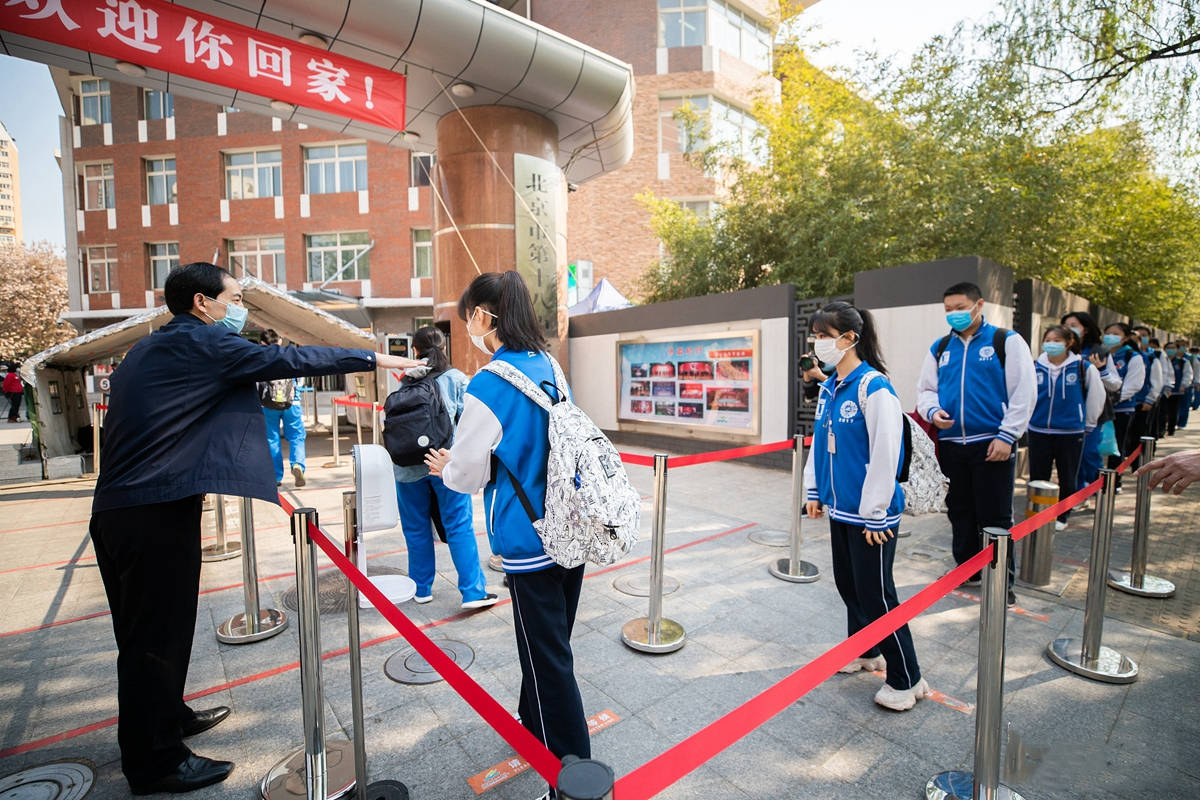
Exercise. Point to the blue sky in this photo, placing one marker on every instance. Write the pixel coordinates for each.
(30, 109)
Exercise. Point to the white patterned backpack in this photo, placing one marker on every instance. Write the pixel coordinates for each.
(920, 477)
(591, 508)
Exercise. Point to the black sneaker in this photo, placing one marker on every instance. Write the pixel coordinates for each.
(1012, 598)
(483, 602)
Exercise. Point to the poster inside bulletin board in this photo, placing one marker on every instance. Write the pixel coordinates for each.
(697, 381)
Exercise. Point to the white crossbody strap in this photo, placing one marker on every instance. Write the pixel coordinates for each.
(521, 381)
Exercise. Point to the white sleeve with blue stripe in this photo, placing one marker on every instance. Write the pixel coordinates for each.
(884, 438)
(1022, 388)
(477, 435)
(1135, 378)
(1095, 397)
(927, 388)
(810, 473)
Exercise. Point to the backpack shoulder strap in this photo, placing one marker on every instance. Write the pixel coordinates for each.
(941, 348)
(863, 383)
(519, 380)
(1083, 365)
(999, 344)
(560, 380)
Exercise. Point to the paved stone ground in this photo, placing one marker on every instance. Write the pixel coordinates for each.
(1068, 737)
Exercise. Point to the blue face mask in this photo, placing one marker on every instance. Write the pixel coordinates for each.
(1054, 349)
(959, 320)
(235, 316)
(1171, 351)
(1111, 341)
(1145, 341)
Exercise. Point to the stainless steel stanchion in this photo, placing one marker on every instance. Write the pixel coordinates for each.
(375, 423)
(380, 790)
(984, 783)
(357, 420)
(255, 624)
(1086, 656)
(96, 424)
(584, 779)
(222, 549)
(1037, 549)
(333, 424)
(1135, 580)
(653, 633)
(792, 569)
(321, 770)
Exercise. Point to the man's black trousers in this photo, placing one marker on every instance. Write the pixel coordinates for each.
(544, 604)
(1064, 450)
(149, 559)
(980, 496)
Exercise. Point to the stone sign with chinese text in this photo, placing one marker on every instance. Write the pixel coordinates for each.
(175, 39)
(539, 187)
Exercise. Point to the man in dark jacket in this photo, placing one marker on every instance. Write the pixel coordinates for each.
(183, 420)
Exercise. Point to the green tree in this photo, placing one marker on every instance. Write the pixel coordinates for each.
(33, 294)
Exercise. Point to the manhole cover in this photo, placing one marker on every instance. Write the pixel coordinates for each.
(62, 780)
(331, 590)
(407, 666)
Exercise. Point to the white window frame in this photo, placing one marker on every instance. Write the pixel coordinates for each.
(417, 168)
(329, 169)
(169, 255)
(425, 246)
(108, 257)
(165, 174)
(240, 259)
(259, 172)
(109, 196)
(676, 16)
(102, 93)
(343, 252)
(162, 104)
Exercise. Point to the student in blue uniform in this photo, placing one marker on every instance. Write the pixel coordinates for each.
(503, 438)
(1180, 368)
(851, 474)
(1070, 397)
(1122, 346)
(977, 389)
(423, 496)
(1089, 346)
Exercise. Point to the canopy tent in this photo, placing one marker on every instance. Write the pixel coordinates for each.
(56, 374)
(603, 297)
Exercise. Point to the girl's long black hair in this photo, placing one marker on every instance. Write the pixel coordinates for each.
(505, 295)
(429, 343)
(1091, 331)
(840, 317)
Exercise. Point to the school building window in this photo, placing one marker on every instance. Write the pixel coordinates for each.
(688, 23)
(335, 168)
(164, 257)
(95, 106)
(157, 105)
(330, 252)
(422, 253)
(102, 269)
(420, 169)
(254, 174)
(260, 256)
(160, 181)
(98, 187)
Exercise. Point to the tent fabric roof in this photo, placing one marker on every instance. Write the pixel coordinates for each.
(293, 319)
(508, 59)
(603, 297)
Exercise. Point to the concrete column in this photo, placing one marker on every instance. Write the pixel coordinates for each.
(479, 183)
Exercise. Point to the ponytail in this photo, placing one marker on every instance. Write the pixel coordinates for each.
(840, 317)
(429, 343)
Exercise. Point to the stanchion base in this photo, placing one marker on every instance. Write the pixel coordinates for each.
(235, 630)
(639, 585)
(387, 790)
(409, 667)
(1121, 580)
(218, 552)
(806, 571)
(288, 780)
(636, 635)
(1109, 666)
(770, 537)
(961, 786)
(903, 534)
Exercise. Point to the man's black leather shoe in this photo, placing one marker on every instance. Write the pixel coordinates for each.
(195, 772)
(203, 720)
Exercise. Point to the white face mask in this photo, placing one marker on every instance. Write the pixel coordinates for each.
(477, 339)
(828, 351)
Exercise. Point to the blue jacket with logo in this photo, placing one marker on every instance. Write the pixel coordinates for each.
(1123, 358)
(855, 480)
(184, 416)
(985, 400)
(1060, 405)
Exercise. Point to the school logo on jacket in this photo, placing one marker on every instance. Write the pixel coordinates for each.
(848, 409)
(1072, 377)
(1041, 378)
(987, 353)
(945, 359)
(820, 408)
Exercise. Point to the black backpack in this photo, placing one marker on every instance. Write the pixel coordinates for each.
(998, 337)
(414, 420)
(277, 395)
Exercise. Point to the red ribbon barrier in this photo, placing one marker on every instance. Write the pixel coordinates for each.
(499, 718)
(343, 401)
(726, 455)
(1028, 526)
(101, 406)
(664, 770)
(1124, 465)
(640, 460)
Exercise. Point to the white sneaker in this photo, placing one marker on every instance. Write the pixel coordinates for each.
(869, 664)
(298, 474)
(483, 602)
(901, 699)
(423, 598)
(1059, 525)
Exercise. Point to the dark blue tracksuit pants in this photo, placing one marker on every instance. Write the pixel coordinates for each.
(980, 496)
(544, 604)
(863, 575)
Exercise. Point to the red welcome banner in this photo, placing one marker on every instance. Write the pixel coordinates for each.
(174, 39)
